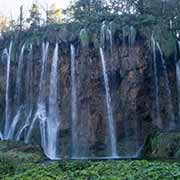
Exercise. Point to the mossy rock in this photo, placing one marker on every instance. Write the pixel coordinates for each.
(19, 152)
(163, 145)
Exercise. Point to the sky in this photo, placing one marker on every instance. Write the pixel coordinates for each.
(10, 8)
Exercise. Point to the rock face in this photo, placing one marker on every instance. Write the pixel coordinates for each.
(131, 79)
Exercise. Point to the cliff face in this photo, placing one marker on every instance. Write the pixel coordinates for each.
(132, 88)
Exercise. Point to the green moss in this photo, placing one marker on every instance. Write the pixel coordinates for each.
(84, 38)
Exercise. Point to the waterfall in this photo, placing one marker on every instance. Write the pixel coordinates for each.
(167, 84)
(103, 34)
(110, 42)
(1, 136)
(109, 108)
(178, 84)
(170, 24)
(17, 95)
(29, 94)
(13, 125)
(41, 113)
(45, 49)
(19, 77)
(53, 121)
(41, 108)
(74, 104)
(7, 123)
(158, 117)
(132, 36)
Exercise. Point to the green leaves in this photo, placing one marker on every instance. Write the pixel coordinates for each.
(101, 170)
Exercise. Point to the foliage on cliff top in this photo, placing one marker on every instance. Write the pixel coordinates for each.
(160, 17)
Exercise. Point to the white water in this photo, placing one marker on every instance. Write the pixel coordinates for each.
(16, 118)
(14, 124)
(1, 136)
(41, 108)
(158, 117)
(26, 125)
(7, 122)
(53, 120)
(178, 85)
(112, 133)
(19, 77)
(132, 36)
(41, 113)
(27, 138)
(169, 97)
(171, 24)
(29, 95)
(74, 104)
(103, 34)
(178, 82)
(110, 42)
(45, 49)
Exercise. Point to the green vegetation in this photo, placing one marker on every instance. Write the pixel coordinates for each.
(162, 18)
(16, 155)
(19, 153)
(88, 170)
(26, 162)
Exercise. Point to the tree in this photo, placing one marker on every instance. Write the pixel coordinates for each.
(84, 10)
(35, 16)
(4, 23)
(54, 14)
(21, 18)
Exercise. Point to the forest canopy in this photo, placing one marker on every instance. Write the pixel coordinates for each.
(85, 11)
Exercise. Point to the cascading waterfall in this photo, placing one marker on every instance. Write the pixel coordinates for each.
(110, 42)
(167, 84)
(74, 105)
(13, 124)
(41, 108)
(53, 121)
(17, 95)
(41, 113)
(158, 117)
(29, 95)
(19, 77)
(1, 136)
(132, 36)
(103, 34)
(178, 85)
(7, 122)
(45, 117)
(113, 144)
(178, 82)
(170, 24)
(112, 133)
